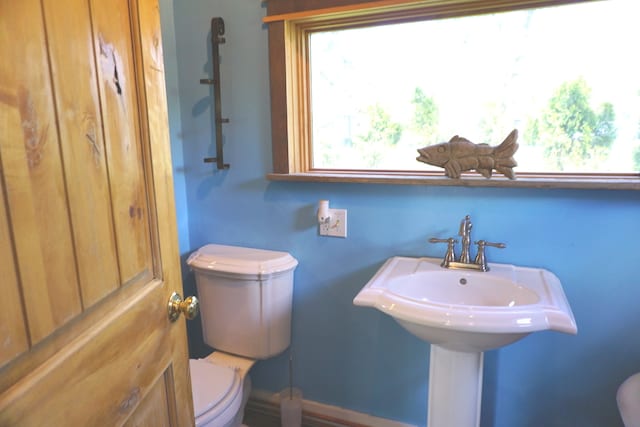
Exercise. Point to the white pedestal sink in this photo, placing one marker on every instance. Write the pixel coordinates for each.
(462, 314)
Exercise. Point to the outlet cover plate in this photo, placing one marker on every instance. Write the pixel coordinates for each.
(337, 225)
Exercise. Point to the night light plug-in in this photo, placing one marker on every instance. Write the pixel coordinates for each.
(331, 222)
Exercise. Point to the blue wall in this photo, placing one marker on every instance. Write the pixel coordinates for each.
(175, 127)
(356, 357)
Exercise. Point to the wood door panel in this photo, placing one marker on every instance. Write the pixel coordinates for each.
(14, 339)
(88, 241)
(119, 100)
(33, 174)
(154, 410)
(118, 369)
(148, 48)
(150, 64)
(68, 27)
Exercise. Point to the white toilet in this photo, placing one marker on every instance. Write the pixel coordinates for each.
(245, 306)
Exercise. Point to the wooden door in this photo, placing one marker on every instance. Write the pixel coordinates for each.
(88, 245)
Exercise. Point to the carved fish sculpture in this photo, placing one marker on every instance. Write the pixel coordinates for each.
(460, 154)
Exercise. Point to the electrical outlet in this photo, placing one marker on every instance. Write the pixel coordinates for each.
(324, 228)
(337, 225)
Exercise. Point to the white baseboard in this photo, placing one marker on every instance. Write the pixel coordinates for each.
(344, 416)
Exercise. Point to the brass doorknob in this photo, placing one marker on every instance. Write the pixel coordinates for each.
(189, 307)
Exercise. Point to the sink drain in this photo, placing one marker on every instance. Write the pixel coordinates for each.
(463, 281)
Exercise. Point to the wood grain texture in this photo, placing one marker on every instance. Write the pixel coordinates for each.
(119, 102)
(114, 363)
(34, 179)
(153, 410)
(14, 338)
(277, 7)
(117, 359)
(83, 148)
(164, 223)
(467, 180)
(278, 10)
(278, 88)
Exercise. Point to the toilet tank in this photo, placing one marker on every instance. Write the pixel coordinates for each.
(245, 299)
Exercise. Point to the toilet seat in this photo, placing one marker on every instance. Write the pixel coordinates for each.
(216, 390)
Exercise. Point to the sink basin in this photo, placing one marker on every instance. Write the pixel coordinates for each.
(466, 310)
(470, 289)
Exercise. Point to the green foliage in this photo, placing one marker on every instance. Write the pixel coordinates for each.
(605, 130)
(636, 159)
(494, 123)
(381, 128)
(574, 136)
(381, 135)
(425, 116)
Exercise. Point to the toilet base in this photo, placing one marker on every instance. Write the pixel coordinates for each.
(241, 366)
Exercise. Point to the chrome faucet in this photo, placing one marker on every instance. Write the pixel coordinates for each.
(464, 262)
(465, 233)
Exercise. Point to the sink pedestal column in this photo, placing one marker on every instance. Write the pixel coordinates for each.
(455, 388)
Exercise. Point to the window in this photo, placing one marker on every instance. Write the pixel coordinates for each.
(366, 85)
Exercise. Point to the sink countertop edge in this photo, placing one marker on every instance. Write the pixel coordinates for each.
(549, 314)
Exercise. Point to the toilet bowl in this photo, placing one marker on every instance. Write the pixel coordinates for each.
(245, 306)
(220, 386)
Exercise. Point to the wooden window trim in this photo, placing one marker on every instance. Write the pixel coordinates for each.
(289, 20)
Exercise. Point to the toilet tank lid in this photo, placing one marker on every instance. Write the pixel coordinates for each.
(238, 260)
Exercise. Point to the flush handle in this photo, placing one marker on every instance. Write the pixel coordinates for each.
(190, 307)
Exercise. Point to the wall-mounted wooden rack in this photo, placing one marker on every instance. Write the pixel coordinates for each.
(217, 31)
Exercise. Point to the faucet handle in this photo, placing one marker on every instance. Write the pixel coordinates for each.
(436, 240)
(449, 256)
(492, 244)
(481, 260)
